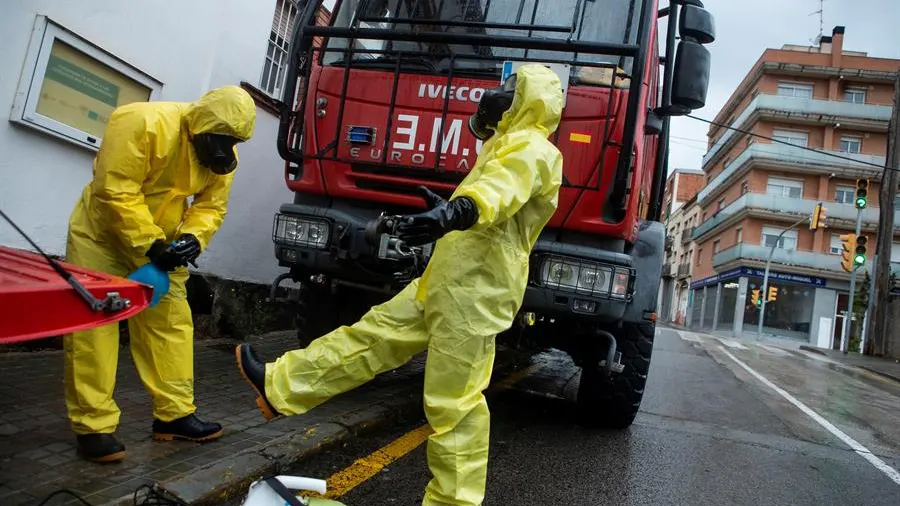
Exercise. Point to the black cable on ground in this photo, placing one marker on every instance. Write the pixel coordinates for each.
(65, 491)
(155, 496)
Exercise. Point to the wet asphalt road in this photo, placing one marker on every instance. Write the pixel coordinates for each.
(709, 433)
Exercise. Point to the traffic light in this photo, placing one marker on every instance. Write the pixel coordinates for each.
(859, 256)
(773, 294)
(817, 220)
(862, 193)
(754, 298)
(848, 247)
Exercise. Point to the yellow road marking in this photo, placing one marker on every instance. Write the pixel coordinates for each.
(342, 482)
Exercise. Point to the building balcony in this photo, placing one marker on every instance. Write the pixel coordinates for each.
(687, 235)
(775, 208)
(801, 262)
(790, 158)
(670, 242)
(684, 271)
(807, 262)
(668, 270)
(867, 117)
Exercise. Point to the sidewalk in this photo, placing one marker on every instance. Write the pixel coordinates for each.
(37, 450)
(887, 367)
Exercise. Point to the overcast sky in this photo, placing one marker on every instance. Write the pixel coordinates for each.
(744, 29)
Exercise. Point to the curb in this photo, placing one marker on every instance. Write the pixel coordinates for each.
(881, 373)
(855, 366)
(227, 478)
(813, 349)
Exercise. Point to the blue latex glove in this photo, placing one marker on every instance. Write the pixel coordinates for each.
(152, 275)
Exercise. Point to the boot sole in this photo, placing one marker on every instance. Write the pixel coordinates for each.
(106, 459)
(158, 436)
(261, 402)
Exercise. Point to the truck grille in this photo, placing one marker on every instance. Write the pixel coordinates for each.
(403, 180)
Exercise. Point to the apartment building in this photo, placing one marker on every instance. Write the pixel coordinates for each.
(680, 215)
(834, 101)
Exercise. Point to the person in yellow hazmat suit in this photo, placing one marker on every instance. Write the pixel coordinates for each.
(154, 157)
(471, 291)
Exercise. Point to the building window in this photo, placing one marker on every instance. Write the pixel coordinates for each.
(276, 61)
(770, 238)
(739, 236)
(795, 90)
(796, 138)
(699, 254)
(855, 95)
(725, 162)
(850, 144)
(835, 248)
(897, 202)
(745, 187)
(786, 188)
(721, 204)
(716, 246)
(844, 195)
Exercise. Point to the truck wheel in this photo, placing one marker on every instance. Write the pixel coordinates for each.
(316, 315)
(612, 402)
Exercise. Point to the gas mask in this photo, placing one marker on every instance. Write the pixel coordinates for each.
(490, 111)
(216, 152)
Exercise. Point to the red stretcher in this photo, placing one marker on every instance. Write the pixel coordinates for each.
(37, 302)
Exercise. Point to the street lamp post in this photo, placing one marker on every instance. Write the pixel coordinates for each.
(762, 294)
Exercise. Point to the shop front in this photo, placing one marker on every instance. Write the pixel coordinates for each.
(730, 303)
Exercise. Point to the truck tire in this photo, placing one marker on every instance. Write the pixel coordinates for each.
(316, 315)
(321, 311)
(612, 402)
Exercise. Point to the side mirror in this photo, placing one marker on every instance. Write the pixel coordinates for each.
(690, 81)
(697, 25)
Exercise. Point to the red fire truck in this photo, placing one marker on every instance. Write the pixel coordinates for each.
(376, 103)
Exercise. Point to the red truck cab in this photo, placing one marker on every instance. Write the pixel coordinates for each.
(377, 103)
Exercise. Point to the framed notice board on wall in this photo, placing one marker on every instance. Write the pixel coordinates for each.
(69, 87)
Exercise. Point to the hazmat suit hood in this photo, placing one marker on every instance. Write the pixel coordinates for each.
(537, 102)
(228, 110)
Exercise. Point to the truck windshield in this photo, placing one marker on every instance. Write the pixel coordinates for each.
(611, 21)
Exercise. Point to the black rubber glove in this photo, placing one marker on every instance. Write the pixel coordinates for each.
(442, 217)
(177, 254)
(187, 246)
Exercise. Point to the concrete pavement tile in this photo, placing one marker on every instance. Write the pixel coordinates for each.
(36, 454)
(20, 499)
(9, 429)
(55, 460)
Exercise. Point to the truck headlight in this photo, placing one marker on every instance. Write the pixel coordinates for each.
(583, 277)
(301, 231)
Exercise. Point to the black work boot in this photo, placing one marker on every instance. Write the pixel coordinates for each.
(254, 371)
(189, 428)
(101, 448)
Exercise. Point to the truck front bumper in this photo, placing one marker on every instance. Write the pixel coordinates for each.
(566, 280)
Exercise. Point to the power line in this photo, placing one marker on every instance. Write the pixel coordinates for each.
(690, 139)
(805, 148)
(689, 146)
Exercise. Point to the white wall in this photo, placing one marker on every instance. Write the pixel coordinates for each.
(191, 46)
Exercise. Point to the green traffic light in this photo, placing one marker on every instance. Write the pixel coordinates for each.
(859, 259)
(860, 202)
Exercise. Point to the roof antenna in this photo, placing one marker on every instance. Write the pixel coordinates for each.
(821, 13)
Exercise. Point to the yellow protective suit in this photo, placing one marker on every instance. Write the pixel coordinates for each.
(144, 173)
(471, 290)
